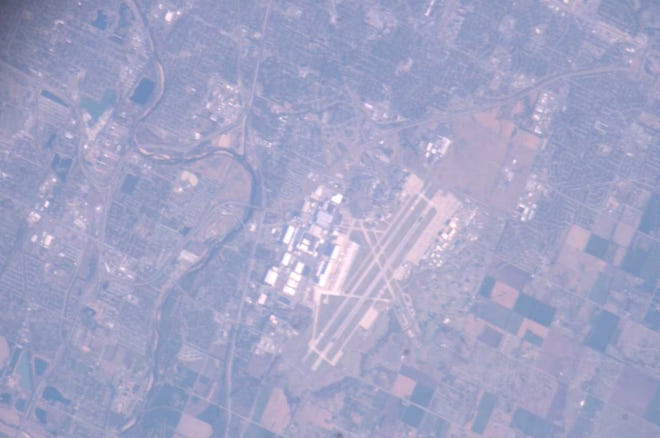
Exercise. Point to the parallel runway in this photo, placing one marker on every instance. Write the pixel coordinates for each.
(370, 279)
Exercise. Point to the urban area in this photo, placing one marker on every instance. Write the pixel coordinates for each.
(329, 218)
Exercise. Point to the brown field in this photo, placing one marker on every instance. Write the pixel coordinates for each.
(637, 343)
(277, 414)
(576, 270)
(518, 108)
(533, 327)
(470, 325)
(623, 234)
(577, 237)
(225, 141)
(9, 416)
(484, 146)
(504, 294)
(510, 344)
(192, 427)
(403, 386)
(618, 256)
(537, 392)
(316, 416)
(558, 356)
(527, 139)
(472, 166)
(491, 121)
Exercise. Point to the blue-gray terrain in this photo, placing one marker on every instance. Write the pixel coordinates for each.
(329, 218)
